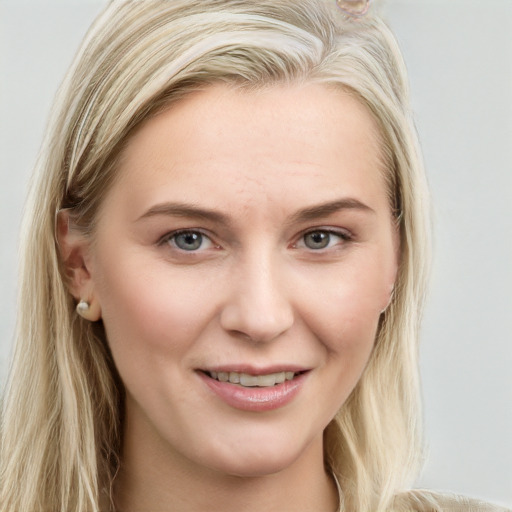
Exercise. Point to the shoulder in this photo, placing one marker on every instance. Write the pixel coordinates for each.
(420, 500)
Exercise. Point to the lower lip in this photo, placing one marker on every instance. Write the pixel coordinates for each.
(255, 398)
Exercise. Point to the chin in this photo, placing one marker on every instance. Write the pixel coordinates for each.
(258, 461)
(255, 468)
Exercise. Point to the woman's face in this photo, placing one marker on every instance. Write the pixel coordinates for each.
(248, 238)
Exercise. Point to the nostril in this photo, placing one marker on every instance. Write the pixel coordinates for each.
(257, 307)
(255, 328)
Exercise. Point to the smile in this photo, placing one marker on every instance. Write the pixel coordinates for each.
(255, 393)
(249, 381)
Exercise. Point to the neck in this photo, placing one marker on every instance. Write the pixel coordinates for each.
(156, 478)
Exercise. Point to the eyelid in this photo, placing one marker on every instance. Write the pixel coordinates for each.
(165, 239)
(342, 233)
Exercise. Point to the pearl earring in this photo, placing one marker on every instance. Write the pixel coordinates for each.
(82, 308)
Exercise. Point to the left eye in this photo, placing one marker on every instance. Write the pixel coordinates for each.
(189, 240)
(322, 239)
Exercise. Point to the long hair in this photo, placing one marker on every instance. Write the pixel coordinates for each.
(62, 414)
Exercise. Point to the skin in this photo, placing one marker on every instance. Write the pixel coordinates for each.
(253, 292)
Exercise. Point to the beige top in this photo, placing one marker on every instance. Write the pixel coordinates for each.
(420, 500)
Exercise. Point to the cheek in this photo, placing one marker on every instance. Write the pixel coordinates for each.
(347, 306)
(153, 311)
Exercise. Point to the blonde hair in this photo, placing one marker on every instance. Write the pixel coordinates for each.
(63, 406)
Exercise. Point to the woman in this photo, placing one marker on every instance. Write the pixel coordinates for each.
(226, 249)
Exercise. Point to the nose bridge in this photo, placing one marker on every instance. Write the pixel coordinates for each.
(258, 306)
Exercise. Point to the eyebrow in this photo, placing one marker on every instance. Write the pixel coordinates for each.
(326, 209)
(185, 210)
(306, 214)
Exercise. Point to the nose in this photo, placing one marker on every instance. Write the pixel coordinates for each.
(258, 307)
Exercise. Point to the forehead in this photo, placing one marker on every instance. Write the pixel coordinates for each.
(293, 138)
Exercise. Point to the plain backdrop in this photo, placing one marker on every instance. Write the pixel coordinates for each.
(459, 55)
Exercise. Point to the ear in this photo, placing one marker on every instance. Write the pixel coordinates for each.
(395, 267)
(74, 248)
(390, 299)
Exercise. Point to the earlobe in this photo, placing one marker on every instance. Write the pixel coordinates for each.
(390, 300)
(89, 310)
(397, 245)
(73, 248)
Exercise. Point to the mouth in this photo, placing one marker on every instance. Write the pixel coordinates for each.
(247, 380)
(255, 389)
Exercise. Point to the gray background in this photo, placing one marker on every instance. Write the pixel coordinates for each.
(459, 54)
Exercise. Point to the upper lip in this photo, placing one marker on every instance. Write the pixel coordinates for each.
(255, 370)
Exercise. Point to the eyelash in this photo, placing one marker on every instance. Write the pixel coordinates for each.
(170, 239)
(343, 235)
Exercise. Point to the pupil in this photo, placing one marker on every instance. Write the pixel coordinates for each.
(317, 240)
(189, 241)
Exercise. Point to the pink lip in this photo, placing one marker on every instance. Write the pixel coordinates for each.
(255, 399)
(256, 370)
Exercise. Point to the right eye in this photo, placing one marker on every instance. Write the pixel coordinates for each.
(188, 240)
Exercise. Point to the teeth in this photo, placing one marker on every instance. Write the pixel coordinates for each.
(281, 377)
(234, 377)
(247, 380)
